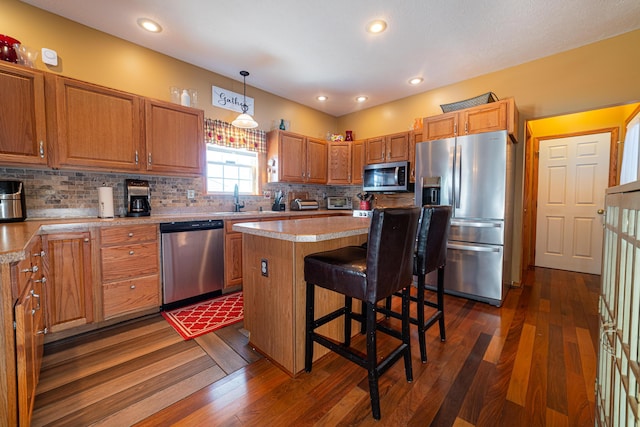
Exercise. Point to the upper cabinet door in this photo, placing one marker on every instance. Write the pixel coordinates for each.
(440, 126)
(174, 137)
(397, 147)
(316, 161)
(486, 118)
(96, 127)
(357, 161)
(339, 168)
(375, 150)
(22, 116)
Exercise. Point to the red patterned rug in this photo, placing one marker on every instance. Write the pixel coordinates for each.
(201, 318)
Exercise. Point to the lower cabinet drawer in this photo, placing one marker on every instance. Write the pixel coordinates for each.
(122, 262)
(130, 295)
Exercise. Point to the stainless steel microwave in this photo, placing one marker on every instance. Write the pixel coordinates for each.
(387, 177)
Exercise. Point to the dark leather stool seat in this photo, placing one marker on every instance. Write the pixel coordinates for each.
(370, 275)
(430, 255)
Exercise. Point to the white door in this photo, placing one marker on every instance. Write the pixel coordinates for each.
(573, 174)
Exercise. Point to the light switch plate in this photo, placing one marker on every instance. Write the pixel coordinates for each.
(49, 56)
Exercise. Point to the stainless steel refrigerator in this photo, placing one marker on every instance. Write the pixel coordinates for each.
(474, 174)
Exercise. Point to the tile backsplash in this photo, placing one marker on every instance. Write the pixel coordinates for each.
(56, 193)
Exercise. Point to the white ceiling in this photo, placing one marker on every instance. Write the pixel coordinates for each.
(300, 49)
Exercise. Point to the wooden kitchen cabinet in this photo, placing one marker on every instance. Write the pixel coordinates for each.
(174, 137)
(97, 128)
(339, 165)
(232, 255)
(69, 290)
(387, 148)
(94, 127)
(415, 138)
(130, 278)
(499, 115)
(28, 279)
(346, 161)
(23, 138)
(296, 158)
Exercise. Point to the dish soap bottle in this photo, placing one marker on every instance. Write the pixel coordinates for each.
(185, 99)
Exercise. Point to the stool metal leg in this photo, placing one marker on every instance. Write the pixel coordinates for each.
(308, 344)
(406, 333)
(422, 339)
(372, 359)
(440, 292)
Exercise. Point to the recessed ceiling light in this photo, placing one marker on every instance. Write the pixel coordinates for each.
(376, 26)
(416, 81)
(322, 98)
(361, 98)
(149, 25)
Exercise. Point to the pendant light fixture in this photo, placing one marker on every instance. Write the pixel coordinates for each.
(244, 120)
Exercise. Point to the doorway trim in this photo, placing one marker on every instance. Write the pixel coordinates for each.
(530, 184)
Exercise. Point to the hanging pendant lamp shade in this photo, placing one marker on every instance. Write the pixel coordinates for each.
(244, 120)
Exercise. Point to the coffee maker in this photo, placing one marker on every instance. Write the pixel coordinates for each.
(137, 196)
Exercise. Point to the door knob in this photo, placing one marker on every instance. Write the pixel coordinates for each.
(600, 211)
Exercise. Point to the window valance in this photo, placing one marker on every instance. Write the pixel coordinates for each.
(222, 133)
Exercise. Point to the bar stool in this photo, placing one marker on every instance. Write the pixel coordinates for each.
(430, 255)
(370, 275)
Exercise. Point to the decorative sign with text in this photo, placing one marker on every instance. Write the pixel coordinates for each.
(228, 100)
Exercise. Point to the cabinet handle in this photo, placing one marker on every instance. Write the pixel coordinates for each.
(136, 157)
(38, 297)
(132, 286)
(41, 149)
(42, 332)
(149, 159)
(455, 128)
(130, 234)
(86, 240)
(30, 270)
(466, 127)
(43, 280)
(41, 253)
(131, 252)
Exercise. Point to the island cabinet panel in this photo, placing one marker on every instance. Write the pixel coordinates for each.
(276, 321)
(23, 136)
(68, 294)
(130, 266)
(174, 137)
(94, 127)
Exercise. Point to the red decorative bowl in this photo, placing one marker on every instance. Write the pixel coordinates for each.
(7, 51)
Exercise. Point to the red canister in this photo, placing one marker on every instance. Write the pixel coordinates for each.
(7, 51)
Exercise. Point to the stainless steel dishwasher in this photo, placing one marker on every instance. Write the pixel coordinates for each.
(192, 261)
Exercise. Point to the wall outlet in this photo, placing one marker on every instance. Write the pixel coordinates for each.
(191, 194)
(264, 267)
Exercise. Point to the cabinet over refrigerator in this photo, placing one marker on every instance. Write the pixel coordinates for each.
(474, 174)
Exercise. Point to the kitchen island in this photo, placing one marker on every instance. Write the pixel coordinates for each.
(274, 286)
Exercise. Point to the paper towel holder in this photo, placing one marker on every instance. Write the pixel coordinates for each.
(105, 202)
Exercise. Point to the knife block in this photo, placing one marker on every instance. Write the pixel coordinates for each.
(278, 207)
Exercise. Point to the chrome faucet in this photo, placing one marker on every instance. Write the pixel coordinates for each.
(236, 200)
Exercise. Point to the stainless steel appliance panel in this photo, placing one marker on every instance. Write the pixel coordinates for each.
(435, 159)
(192, 259)
(489, 232)
(474, 271)
(480, 176)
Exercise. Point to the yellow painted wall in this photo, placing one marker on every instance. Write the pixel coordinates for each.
(578, 122)
(99, 58)
(595, 76)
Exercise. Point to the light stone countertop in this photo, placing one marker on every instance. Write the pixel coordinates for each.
(14, 236)
(307, 230)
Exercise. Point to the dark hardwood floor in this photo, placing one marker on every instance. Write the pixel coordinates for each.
(531, 362)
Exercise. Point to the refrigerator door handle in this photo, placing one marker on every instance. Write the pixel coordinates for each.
(474, 248)
(476, 224)
(457, 185)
